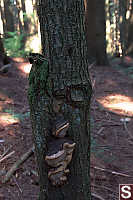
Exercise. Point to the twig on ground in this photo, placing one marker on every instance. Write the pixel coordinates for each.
(129, 133)
(112, 172)
(17, 184)
(97, 196)
(100, 130)
(104, 187)
(113, 124)
(91, 65)
(5, 68)
(5, 152)
(34, 172)
(17, 164)
(7, 156)
(12, 195)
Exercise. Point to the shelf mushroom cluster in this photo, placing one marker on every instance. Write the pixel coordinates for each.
(60, 150)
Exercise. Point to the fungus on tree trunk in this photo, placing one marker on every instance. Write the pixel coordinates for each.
(59, 97)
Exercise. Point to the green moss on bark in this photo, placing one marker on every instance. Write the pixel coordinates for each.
(37, 80)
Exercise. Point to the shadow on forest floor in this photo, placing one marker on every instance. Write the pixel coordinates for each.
(111, 131)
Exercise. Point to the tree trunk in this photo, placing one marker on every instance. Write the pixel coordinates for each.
(129, 47)
(101, 57)
(4, 59)
(90, 15)
(60, 89)
(123, 30)
(9, 20)
(2, 53)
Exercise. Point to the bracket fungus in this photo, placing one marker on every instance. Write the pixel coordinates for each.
(59, 154)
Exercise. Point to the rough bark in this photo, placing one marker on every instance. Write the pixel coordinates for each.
(62, 76)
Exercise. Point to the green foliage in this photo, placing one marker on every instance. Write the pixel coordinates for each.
(25, 17)
(13, 44)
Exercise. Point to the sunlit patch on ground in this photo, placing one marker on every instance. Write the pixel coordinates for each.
(118, 103)
(25, 67)
(4, 100)
(4, 97)
(7, 119)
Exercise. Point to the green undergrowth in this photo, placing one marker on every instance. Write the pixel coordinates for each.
(13, 44)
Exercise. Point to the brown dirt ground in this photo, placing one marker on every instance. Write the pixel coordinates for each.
(112, 140)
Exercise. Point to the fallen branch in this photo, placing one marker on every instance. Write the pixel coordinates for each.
(104, 187)
(112, 172)
(5, 152)
(7, 156)
(97, 196)
(34, 172)
(17, 164)
(100, 130)
(19, 188)
(129, 133)
(5, 68)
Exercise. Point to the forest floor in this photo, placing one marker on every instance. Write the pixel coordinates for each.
(111, 131)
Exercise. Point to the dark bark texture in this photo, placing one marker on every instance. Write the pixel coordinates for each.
(101, 57)
(8, 15)
(129, 45)
(62, 77)
(90, 14)
(96, 31)
(2, 52)
(4, 59)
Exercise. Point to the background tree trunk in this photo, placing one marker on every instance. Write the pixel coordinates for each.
(2, 53)
(90, 14)
(123, 30)
(129, 47)
(9, 19)
(4, 59)
(101, 57)
(63, 76)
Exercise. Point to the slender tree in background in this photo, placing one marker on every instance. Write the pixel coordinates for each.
(129, 24)
(123, 30)
(59, 97)
(101, 57)
(2, 52)
(8, 21)
(4, 59)
(90, 15)
(96, 31)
